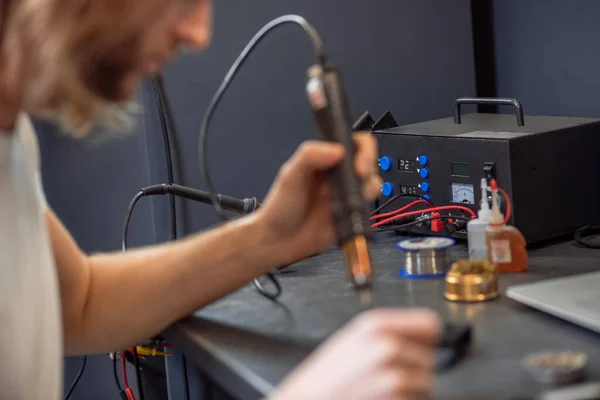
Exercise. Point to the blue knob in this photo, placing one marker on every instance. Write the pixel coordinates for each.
(385, 163)
(424, 173)
(423, 160)
(425, 187)
(387, 189)
(427, 197)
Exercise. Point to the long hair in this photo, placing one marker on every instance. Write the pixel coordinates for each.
(49, 49)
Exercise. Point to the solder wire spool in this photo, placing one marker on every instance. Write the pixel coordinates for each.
(427, 257)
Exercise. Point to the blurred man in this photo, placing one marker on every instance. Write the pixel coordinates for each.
(72, 60)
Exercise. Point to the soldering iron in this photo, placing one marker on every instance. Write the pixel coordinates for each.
(328, 101)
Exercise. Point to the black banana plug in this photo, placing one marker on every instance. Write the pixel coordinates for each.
(327, 98)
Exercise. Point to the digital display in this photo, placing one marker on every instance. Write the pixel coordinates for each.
(406, 165)
(408, 189)
(460, 169)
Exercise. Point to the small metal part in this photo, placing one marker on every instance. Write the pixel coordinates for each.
(427, 257)
(472, 281)
(423, 220)
(556, 367)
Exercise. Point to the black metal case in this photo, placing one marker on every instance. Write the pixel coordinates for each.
(550, 167)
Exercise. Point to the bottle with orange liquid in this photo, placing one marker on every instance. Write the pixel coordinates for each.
(506, 246)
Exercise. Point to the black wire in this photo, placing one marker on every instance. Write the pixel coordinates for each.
(584, 237)
(396, 227)
(318, 46)
(115, 371)
(138, 375)
(168, 125)
(261, 289)
(320, 55)
(160, 97)
(77, 378)
(185, 378)
(396, 197)
(132, 204)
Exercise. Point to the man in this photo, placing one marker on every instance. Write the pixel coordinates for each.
(71, 59)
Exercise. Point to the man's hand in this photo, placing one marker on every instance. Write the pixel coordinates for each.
(382, 354)
(297, 210)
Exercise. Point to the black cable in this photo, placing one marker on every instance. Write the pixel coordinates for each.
(396, 227)
(318, 46)
(395, 198)
(320, 56)
(241, 205)
(77, 378)
(160, 98)
(138, 374)
(132, 204)
(584, 237)
(168, 125)
(115, 371)
(185, 377)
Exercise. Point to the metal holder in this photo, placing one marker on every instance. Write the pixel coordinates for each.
(426, 257)
(472, 281)
(555, 367)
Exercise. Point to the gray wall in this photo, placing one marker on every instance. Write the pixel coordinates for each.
(547, 55)
(394, 55)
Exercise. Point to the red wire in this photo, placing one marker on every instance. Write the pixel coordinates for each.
(389, 214)
(408, 214)
(128, 391)
(508, 208)
(124, 368)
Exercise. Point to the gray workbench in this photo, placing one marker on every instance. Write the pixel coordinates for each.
(248, 345)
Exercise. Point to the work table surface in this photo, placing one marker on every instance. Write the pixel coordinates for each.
(249, 344)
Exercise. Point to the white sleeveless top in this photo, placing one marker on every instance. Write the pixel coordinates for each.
(31, 345)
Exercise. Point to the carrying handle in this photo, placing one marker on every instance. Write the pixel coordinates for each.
(489, 101)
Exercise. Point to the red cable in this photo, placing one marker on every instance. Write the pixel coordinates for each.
(494, 186)
(508, 208)
(389, 214)
(124, 368)
(408, 214)
(128, 390)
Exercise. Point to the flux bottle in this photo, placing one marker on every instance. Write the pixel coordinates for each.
(476, 228)
(506, 246)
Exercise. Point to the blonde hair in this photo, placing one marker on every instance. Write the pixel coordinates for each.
(48, 48)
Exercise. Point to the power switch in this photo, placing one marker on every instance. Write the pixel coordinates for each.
(489, 171)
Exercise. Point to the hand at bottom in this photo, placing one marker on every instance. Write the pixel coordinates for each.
(382, 354)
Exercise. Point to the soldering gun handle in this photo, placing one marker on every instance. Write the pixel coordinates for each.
(329, 104)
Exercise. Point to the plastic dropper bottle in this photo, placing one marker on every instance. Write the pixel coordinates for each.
(476, 228)
(506, 246)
